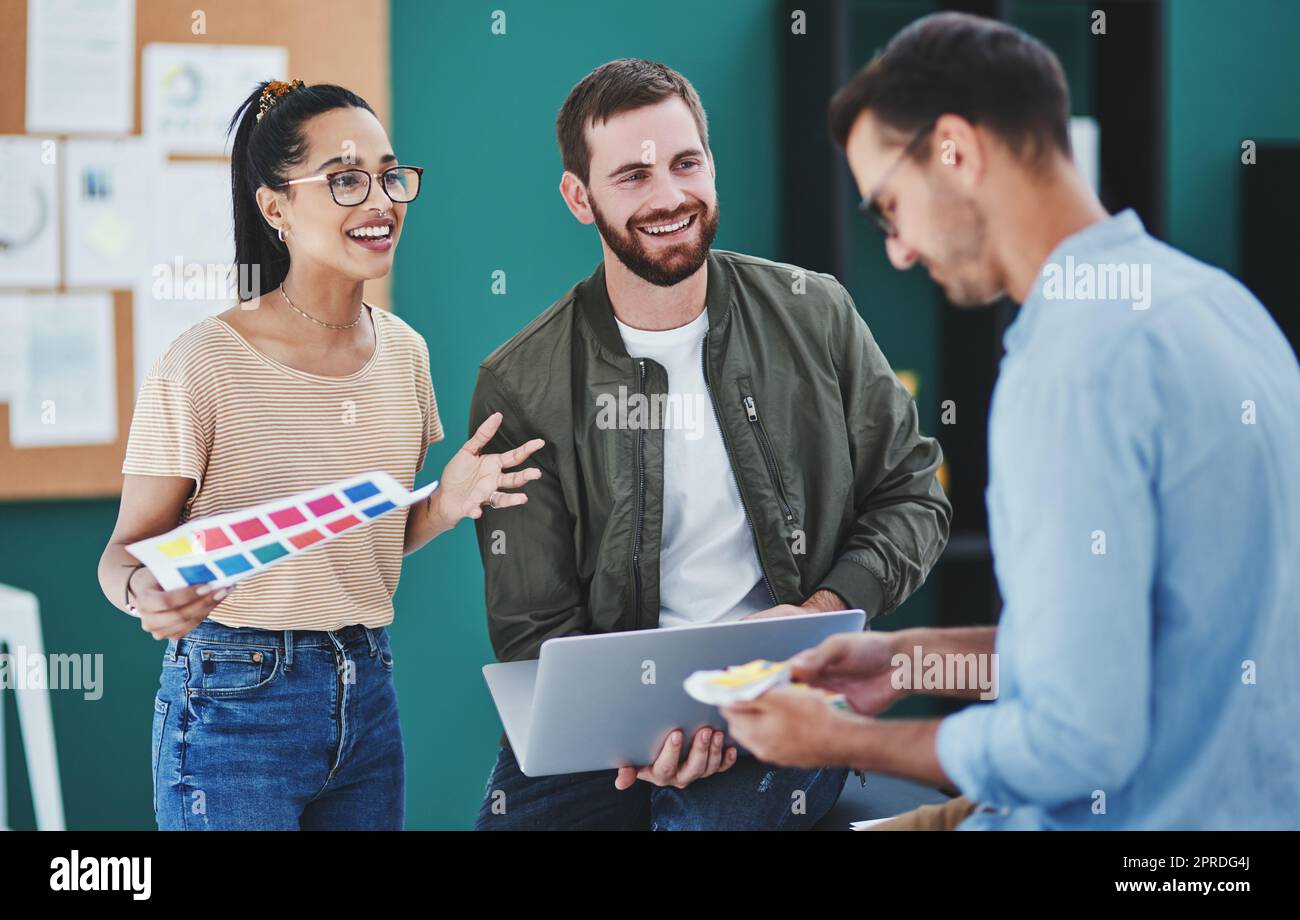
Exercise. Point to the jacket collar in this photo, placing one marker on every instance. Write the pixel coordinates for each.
(593, 299)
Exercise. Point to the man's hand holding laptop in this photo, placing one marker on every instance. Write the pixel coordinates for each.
(707, 757)
(823, 601)
(708, 754)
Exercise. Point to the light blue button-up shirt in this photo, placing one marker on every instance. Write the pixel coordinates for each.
(1144, 514)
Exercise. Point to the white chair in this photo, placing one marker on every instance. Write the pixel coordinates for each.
(20, 627)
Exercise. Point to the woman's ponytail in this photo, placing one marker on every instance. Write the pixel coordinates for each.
(262, 152)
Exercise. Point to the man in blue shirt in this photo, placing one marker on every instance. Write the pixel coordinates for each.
(1144, 507)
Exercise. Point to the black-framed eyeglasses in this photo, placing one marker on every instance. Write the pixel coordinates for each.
(870, 206)
(350, 187)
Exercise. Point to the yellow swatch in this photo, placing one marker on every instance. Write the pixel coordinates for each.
(181, 546)
(743, 674)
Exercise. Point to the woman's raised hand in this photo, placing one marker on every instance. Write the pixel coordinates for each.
(473, 479)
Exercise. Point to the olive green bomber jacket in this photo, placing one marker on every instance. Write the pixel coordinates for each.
(836, 480)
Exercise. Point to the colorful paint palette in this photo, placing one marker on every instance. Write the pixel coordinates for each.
(226, 548)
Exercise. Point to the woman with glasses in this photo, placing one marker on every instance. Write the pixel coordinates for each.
(276, 706)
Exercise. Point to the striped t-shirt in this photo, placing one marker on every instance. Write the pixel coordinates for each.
(249, 429)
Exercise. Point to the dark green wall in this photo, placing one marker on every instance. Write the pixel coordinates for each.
(103, 745)
(1234, 74)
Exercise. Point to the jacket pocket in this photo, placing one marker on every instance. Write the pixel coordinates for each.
(765, 448)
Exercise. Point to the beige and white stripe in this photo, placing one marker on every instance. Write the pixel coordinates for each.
(249, 429)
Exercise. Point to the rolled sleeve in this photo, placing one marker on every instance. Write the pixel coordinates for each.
(1073, 523)
(960, 747)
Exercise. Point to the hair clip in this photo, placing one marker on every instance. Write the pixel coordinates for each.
(272, 92)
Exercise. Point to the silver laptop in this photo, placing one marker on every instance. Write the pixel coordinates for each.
(610, 700)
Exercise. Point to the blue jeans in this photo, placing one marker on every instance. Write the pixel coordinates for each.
(750, 796)
(259, 729)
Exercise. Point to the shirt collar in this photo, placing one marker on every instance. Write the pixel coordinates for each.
(1116, 231)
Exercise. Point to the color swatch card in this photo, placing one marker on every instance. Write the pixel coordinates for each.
(226, 548)
(743, 682)
(737, 683)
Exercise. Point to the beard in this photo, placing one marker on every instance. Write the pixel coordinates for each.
(668, 265)
(962, 251)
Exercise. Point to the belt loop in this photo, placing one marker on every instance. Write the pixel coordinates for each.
(171, 649)
(288, 649)
(371, 641)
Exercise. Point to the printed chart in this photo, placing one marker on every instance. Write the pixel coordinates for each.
(226, 548)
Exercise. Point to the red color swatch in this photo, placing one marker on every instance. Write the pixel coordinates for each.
(249, 529)
(213, 538)
(343, 523)
(306, 538)
(286, 517)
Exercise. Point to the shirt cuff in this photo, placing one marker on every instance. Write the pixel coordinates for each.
(961, 745)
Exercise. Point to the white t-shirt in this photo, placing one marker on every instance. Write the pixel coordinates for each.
(708, 564)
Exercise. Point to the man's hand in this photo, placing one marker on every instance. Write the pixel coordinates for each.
(793, 727)
(706, 758)
(823, 601)
(858, 665)
(781, 610)
(797, 727)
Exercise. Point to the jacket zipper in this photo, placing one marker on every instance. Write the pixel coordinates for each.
(758, 550)
(640, 502)
(769, 457)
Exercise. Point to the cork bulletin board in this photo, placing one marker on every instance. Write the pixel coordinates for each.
(334, 41)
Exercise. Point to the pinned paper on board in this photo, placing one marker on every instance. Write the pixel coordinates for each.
(225, 548)
(29, 243)
(1085, 142)
(60, 377)
(110, 209)
(80, 66)
(192, 251)
(189, 90)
